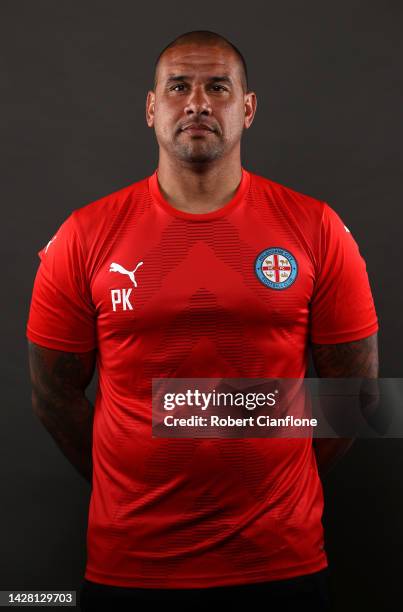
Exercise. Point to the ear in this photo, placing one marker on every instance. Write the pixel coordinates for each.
(250, 108)
(150, 106)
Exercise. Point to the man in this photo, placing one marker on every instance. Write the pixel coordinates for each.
(202, 269)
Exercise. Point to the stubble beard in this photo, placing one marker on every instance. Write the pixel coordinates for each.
(197, 150)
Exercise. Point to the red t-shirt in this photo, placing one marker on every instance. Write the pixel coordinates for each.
(237, 292)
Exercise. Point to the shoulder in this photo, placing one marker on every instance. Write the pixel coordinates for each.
(111, 203)
(96, 220)
(293, 201)
(297, 213)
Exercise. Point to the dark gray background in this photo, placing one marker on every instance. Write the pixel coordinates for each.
(75, 78)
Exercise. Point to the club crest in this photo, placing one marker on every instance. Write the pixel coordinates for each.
(276, 268)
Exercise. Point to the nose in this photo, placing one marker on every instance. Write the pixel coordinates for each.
(198, 102)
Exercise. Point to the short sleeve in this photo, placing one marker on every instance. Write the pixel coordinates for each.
(342, 306)
(61, 314)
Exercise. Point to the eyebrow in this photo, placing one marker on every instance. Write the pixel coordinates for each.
(223, 78)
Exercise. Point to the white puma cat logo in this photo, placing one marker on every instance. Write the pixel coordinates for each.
(115, 267)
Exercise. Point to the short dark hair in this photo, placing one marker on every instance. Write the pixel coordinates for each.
(209, 38)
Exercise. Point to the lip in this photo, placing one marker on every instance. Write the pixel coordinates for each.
(195, 128)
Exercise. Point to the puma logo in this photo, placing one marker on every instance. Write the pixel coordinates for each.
(115, 267)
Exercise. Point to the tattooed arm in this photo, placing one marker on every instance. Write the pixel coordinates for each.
(59, 380)
(358, 359)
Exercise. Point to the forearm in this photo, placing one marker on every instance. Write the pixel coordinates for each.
(69, 421)
(59, 380)
(357, 359)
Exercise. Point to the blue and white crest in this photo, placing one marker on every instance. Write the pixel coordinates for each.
(276, 268)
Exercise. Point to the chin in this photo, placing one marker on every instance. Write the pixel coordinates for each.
(197, 157)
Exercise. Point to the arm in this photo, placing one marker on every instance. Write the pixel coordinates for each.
(357, 359)
(59, 380)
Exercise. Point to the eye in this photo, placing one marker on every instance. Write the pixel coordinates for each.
(215, 87)
(178, 85)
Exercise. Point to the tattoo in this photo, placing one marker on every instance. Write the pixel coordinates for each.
(349, 359)
(357, 359)
(58, 382)
(68, 372)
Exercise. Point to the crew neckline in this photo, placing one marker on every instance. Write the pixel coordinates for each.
(238, 196)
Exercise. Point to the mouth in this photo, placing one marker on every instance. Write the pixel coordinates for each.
(198, 130)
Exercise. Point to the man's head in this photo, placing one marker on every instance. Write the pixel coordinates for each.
(201, 80)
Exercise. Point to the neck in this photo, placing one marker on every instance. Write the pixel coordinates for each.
(198, 188)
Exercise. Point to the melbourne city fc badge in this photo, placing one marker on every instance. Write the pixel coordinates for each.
(276, 268)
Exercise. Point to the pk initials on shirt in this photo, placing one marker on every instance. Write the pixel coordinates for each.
(121, 296)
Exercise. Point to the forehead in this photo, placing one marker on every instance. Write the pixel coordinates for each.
(198, 59)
